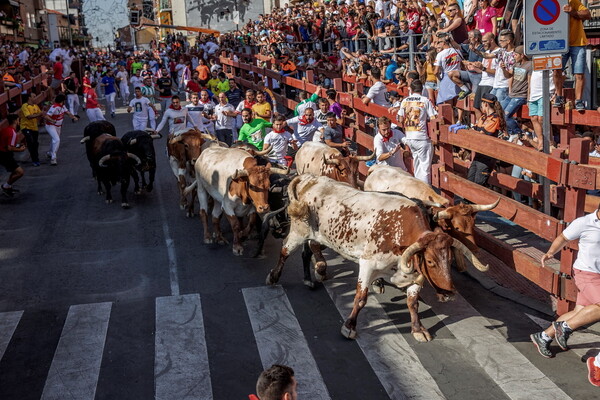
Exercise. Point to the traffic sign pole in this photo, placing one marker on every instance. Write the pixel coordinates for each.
(547, 133)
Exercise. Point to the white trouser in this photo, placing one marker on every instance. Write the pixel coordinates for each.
(152, 118)
(141, 124)
(94, 114)
(110, 102)
(422, 153)
(124, 88)
(73, 102)
(54, 132)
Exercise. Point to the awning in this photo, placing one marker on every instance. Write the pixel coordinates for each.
(184, 28)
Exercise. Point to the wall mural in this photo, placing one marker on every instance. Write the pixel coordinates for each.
(220, 14)
(103, 16)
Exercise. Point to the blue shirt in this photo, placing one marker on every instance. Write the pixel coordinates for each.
(110, 80)
(389, 72)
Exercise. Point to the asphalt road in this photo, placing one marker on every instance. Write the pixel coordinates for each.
(101, 302)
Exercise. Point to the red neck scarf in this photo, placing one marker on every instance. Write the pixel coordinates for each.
(304, 121)
(173, 108)
(276, 131)
(386, 139)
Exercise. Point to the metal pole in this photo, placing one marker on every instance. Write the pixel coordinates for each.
(411, 52)
(69, 24)
(547, 132)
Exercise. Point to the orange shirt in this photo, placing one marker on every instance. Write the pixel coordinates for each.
(203, 72)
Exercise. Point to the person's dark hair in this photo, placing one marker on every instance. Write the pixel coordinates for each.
(279, 118)
(248, 110)
(12, 118)
(416, 86)
(60, 98)
(222, 75)
(274, 382)
(376, 73)
(323, 100)
(508, 34)
(330, 114)
(175, 97)
(412, 75)
(331, 94)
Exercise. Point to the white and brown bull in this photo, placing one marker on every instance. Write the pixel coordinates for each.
(458, 221)
(388, 235)
(184, 148)
(320, 159)
(238, 186)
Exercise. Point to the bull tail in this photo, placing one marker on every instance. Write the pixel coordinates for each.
(297, 209)
(189, 189)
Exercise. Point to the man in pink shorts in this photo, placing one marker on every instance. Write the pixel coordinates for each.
(586, 271)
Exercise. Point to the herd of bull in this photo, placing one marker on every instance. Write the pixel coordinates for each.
(396, 227)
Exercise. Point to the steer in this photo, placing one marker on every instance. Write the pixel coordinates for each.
(184, 149)
(141, 143)
(320, 159)
(388, 235)
(112, 164)
(90, 133)
(237, 185)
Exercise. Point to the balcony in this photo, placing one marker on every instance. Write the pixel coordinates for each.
(164, 5)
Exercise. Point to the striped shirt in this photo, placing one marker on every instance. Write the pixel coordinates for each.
(57, 114)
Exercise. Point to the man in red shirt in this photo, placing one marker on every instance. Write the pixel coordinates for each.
(57, 76)
(8, 145)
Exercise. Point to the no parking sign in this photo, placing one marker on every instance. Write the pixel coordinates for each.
(546, 27)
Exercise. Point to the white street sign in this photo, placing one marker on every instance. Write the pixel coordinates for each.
(546, 27)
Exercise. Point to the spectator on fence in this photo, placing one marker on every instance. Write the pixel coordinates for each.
(536, 105)
(388, 144)
(426, 72)
(253, 130)
(486, 18)
(506, 61)
(377, 91)
(415, 111)
(9, 145)
(519, 75)
(447, 60)
(456, 25)
(471, 74)
(30, 116)
(488, 68)
(586, 271)
(491, 123)
(8, 78)
(577, 43)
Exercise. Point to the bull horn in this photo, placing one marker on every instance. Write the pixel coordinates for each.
(283, 171)
(133, 141)
(407, 255)
(103, 160)
(484, 207)
(443, 214)
(85, 139)
(262, 152)
(134, 158)
(239, 174)
(156, 136)
(469, 255)
(332, 161)
(365, 158)
(176, 139)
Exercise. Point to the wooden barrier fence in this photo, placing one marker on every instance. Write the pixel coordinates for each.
(37, 86)
(567, 167)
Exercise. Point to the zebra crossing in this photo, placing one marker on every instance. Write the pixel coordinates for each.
(182, 364)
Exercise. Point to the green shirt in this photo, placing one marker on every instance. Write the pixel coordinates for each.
(254, 132)
(136, 66)
(312, 98)
(223, 86)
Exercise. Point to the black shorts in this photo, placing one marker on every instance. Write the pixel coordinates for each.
(481, 90)
(7, 160)
(478, 173)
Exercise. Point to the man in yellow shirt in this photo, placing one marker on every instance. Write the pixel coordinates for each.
(213, 83)
(262, 109)
(30, 115)
(577, 42)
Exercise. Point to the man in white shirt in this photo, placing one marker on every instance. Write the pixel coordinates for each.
(139, 105)
(224, 120)
(278, 141)
(176, 116)
(200, 111)
(415, 111)
(24, 56)
(304, 126)
(123, 78)
(586, 271)
(388, 144)
(136, 80)
(376, 93)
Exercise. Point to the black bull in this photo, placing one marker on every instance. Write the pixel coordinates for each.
(90, 133)
(141, 144)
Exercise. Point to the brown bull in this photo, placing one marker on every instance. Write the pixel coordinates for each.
(184, 149)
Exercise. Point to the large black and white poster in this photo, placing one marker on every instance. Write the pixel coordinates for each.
(222, 15)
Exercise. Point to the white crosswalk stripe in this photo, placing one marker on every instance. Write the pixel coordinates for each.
(391, 357)
(511, 370)
(76, 364)
(8, 324)
(280, 339)
(181, 369)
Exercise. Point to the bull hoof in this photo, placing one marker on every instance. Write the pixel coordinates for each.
(125, 205)
(271, 280)
(208, 240)
(378, 287)
(221, 240)
(444, 298)
(238, 250)
(189, 214)
(109, 201)
(320, 266)
(182, 206)
(309, 284)
(319, 277)
(348, 333)
(422, 337)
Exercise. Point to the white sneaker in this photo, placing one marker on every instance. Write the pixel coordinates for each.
(53, 162)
